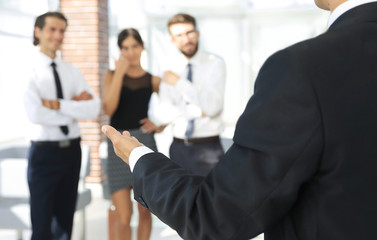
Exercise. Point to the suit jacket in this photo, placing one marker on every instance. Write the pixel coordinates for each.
(304, 160)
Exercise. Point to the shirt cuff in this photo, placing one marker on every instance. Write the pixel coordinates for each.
(136, 154)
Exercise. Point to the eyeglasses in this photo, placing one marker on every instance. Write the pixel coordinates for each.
(189, 34)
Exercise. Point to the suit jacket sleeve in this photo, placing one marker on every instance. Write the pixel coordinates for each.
(277, 149)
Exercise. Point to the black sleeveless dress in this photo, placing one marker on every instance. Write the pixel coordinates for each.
(132, 107)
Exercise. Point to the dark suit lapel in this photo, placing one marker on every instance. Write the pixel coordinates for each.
(363, 13)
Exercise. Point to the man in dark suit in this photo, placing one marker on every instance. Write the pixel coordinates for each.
(303, 163)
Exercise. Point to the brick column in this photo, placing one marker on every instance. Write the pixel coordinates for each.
(86, 46)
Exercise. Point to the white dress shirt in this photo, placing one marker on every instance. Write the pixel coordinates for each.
(187, 100)
(45, 123)
(341, 9)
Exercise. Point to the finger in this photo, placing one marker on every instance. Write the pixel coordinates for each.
(110, 132)
(144, 129)
(126, 133)
(143, 120)
(115, 61)
(87, 96)
(122, 59)
(145, 125)
(148, 129)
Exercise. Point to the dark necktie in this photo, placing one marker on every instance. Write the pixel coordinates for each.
(190, 124)
(59, 93)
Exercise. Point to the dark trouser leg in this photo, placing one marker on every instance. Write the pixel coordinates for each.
(43, 178)
(49, 170)
(66, 195)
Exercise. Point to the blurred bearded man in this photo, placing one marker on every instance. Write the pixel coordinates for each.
(194, 87)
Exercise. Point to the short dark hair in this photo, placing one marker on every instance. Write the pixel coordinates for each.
(129, 32)
(41, 21)
(181, 18)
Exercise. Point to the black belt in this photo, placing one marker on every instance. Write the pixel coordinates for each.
(60, 144)
(198, 140)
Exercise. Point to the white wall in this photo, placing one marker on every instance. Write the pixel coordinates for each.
(15, 42)
(16, 28)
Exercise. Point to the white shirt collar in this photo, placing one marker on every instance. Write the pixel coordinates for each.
(46, 60)
(344, 7)
(196, 58)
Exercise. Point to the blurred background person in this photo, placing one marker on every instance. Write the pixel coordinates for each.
(128, 90)
(194, 85)
(56, 96)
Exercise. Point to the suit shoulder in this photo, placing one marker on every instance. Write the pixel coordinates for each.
(307, 52)
(321, 46)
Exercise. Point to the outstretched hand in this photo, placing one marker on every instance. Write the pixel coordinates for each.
(123, 144)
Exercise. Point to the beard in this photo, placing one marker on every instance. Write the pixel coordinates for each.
(192, 53)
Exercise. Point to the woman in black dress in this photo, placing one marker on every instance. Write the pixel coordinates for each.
(127, 93)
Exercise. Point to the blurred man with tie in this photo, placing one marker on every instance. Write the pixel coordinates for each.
(195, 87)
(56, 96)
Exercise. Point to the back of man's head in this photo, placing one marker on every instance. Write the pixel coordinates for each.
(40, 22)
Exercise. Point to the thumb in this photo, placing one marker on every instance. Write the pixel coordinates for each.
(110, 132)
